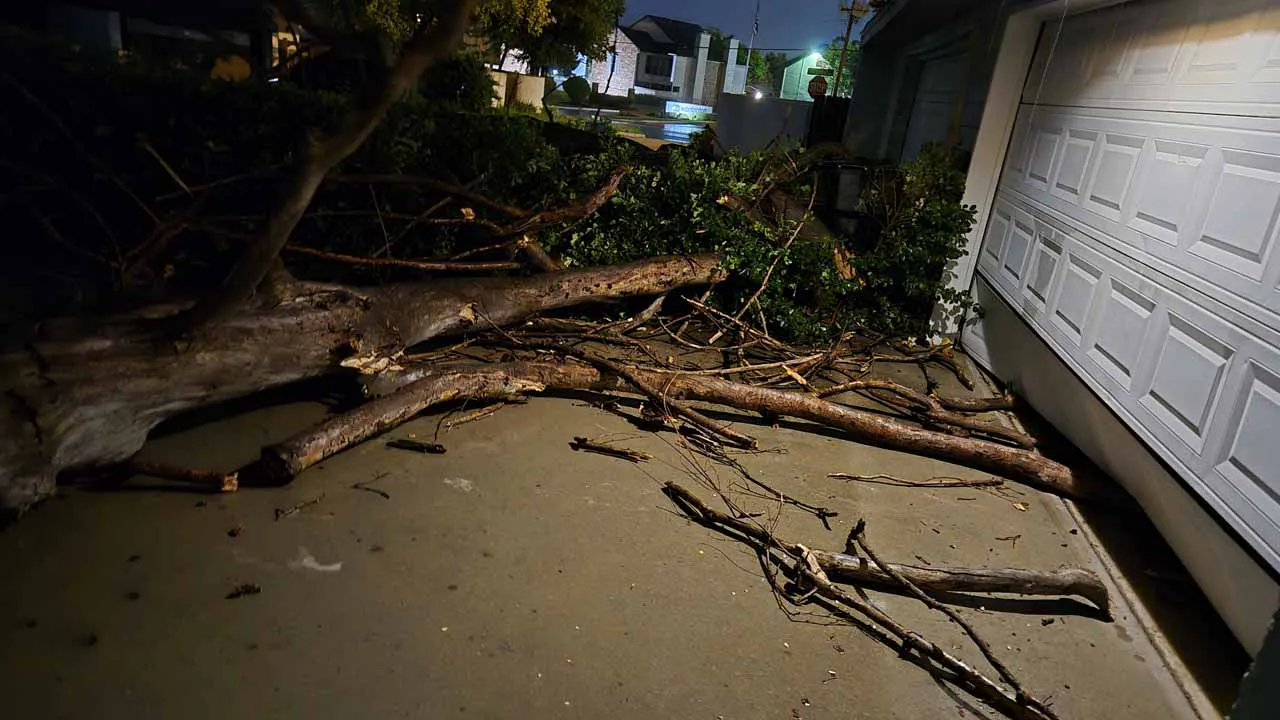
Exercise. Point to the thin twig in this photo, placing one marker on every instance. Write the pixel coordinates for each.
(97, 164)
(458, 191)
(429, 265)
(173, 174)
(743, 326)
(241, 177)
(213, 479)
(422, 217)
(584, 444)
(930, 409)
(622, 327)
(474, 415)
(750, 368)
(937, 482)
(281, 514)
(386, 239)
(367, 487)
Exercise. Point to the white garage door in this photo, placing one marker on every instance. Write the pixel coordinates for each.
(1135, 229)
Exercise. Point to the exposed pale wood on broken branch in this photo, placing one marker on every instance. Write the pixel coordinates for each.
(212, 479)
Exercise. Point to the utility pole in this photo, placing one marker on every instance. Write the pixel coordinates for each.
(755, 28)
(855, 10)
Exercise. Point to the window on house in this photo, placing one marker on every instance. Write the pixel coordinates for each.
(658, 65)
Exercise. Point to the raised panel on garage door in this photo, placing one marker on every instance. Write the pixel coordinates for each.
(1135, 229)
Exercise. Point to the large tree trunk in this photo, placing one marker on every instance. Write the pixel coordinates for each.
(75, 399)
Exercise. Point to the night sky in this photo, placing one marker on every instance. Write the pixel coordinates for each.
(790, 26)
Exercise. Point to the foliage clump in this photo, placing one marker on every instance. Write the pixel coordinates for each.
(578, 90)
(102, 196)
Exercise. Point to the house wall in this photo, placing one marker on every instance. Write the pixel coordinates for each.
(747, 124)
(674, 77)
(713, 85)
(796, 77)
(685, 74)
(623, 64)
(911, 55)
(791, 89)
(95, 30)
(735, 80)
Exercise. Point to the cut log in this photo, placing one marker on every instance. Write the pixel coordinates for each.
(77, 397)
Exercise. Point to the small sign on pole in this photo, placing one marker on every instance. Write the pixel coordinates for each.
(817, 87)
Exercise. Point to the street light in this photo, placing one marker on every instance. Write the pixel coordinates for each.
(759, 95)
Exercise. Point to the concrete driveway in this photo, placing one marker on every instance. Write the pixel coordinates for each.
(513, 577)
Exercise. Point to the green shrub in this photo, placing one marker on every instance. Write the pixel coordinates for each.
(461, 82)
(578, 90)
(923, 230)
(122, 116)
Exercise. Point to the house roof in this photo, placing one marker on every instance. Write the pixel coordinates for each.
(676, 36)
(820, 61)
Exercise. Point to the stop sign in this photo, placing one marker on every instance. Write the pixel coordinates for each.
(817, 87)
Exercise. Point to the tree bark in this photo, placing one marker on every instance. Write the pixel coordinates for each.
(284, 461)
(77, 398)
(1012, 463)
(1017, 581)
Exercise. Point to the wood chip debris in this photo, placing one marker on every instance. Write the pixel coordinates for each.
(242, 590)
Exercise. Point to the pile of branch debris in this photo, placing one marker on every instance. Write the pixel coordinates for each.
(83, 395)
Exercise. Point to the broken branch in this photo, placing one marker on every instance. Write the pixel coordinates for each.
(429, 265)
(938, 482)
(588, 445)
(930, 409)
(219, 481)
(858, 535)
(430, 43)
(806, 564)
(1011, 463)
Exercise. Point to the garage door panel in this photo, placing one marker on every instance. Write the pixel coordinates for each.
(1240, 229)
(1135, 230)
(1200, 380)
(1187, 190)
(1244, 472)
(1173, 55)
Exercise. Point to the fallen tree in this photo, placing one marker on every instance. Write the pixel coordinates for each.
(85, 394)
